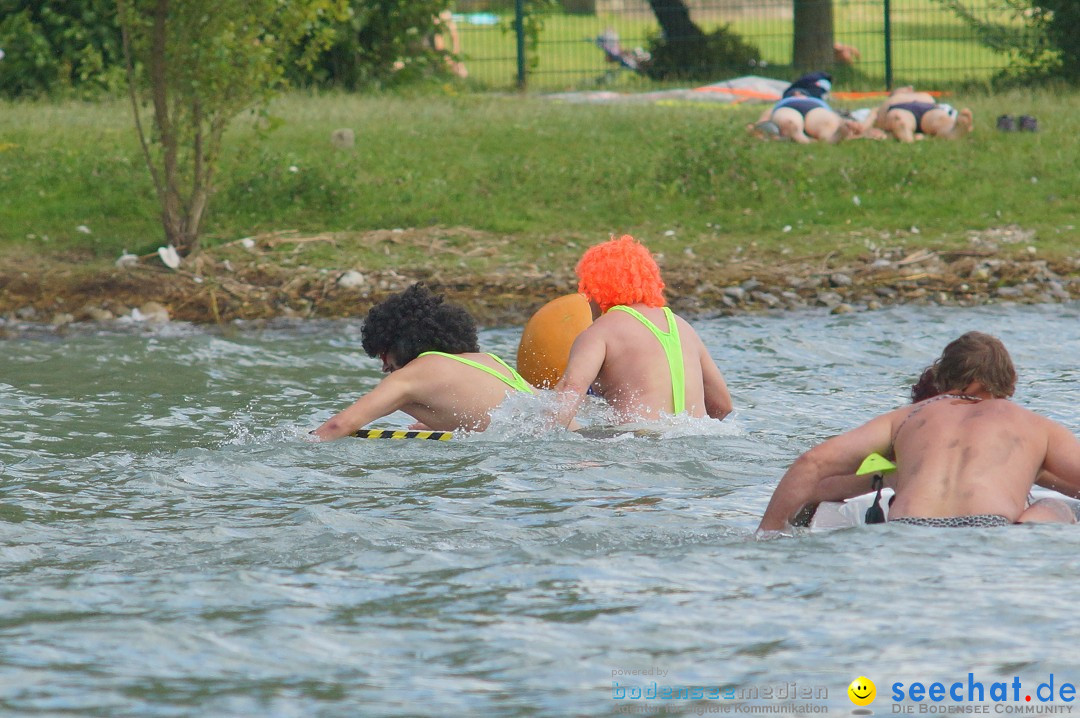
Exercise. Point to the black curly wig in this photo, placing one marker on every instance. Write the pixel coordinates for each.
(416, 321)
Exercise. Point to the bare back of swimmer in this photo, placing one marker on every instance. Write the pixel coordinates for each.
(638, 355)
(435, 371)
(968, 453)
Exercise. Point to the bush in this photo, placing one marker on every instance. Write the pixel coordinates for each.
(701, 57)
(56, 46)
(1039, 36)
(64, 47)
(1062, 32)
(382, 43)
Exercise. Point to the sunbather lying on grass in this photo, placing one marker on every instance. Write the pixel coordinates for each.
(908, 115)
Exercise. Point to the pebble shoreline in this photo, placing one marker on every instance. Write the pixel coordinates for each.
(883, 284)
(216, 292)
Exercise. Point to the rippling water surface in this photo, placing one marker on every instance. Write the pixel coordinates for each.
(170, 543)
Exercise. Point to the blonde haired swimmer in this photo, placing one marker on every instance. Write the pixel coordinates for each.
(638, 355)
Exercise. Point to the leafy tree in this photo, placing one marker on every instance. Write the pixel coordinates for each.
(684, 50)
(59, 45)
(192, 67)
(1040, 36)
(380, 43)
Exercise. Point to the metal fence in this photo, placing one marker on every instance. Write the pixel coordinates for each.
(883, 42)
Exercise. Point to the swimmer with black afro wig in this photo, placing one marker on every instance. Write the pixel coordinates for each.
(436, 372)
(415, 321)
(638, 355)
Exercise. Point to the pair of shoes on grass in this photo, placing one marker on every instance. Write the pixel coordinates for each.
(1024, 123)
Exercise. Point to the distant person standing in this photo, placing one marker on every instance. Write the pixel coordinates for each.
(637, 355)
(443, 29)
(445, 21)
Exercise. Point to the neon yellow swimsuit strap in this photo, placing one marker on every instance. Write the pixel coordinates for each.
(672, 345)
(514, 381)
(519, 381)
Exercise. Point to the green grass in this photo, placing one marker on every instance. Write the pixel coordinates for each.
(549, 173)
(930, 46)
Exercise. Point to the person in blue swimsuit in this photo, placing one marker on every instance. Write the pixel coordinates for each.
(436, 372)
(639, 356)
(804, 116)
(805, 120)
(966, 455)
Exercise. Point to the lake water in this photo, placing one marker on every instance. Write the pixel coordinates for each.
(171, 545)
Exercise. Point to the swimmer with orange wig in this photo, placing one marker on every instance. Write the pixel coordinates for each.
(637, 355)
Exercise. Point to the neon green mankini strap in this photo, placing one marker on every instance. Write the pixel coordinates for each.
(672, 345)
(514, 381)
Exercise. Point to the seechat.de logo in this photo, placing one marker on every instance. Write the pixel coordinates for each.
(862, 691)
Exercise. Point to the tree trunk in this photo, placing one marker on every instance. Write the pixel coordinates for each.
(675, 22)
(813, 41)
(176, 225)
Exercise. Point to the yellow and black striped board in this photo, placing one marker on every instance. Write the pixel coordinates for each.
(403, 434)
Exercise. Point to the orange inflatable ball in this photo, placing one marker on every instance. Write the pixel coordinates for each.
(548, 335)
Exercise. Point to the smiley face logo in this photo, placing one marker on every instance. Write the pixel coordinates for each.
(862, 691)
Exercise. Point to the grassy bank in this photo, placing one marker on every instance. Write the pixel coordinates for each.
(929, 45)
(552, 176)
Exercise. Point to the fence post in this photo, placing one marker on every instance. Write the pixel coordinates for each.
(519, 31)
(888, 47)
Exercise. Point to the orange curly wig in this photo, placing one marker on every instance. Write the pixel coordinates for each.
(620, 271)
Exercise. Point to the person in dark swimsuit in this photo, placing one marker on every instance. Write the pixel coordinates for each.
(967, 451)
(908, 115)
(924, 388)
(917, 109)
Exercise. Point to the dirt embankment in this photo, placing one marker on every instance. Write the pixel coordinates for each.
(249, 280)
